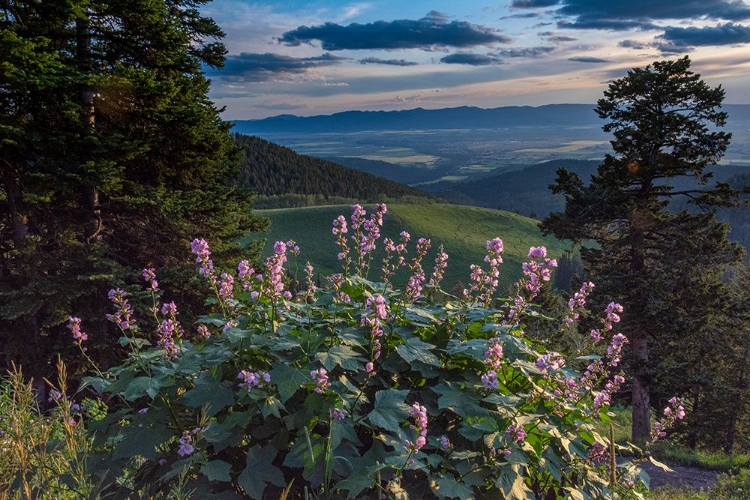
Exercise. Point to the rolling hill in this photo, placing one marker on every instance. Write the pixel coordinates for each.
(463, 230)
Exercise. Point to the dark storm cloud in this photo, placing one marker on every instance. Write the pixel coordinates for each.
(726, 34)
(471, 59)
(391, 62)
(251, 67)
(433, 30)
(585, 59)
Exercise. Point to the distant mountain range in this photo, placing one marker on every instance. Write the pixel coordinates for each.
(464, 117)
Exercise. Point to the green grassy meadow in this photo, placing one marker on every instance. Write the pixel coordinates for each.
(462, 230)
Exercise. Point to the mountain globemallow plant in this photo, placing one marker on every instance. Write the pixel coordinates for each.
(360, 389)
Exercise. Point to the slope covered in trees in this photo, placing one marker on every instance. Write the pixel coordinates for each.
(112, 159)
(270, 170)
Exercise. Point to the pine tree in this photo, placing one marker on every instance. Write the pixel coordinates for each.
(664, 119)
(113, 158)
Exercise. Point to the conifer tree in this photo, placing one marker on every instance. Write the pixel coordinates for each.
(658, 264)
(113, 157)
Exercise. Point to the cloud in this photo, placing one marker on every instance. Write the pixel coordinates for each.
(525, 51)
(471, 59)
(533, 4)
(586, 59)
(726, 34)
(551, 36)
(431, 31)
(391, 62)
(252, 67)
(634, 44)
(637, 14)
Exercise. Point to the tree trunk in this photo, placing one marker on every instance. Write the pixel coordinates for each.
(93, 226)
(641, 429)
(737, 407)
(19, 221)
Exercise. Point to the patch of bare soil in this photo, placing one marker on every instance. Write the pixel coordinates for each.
(698, 479)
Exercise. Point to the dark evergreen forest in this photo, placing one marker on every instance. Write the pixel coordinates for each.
(270, 170)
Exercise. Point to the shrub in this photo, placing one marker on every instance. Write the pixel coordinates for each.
(41, 455)
(359, 388)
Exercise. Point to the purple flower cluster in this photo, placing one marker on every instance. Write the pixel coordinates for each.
(339, 230)
(493, 357)
(169, 329)
(484, 283)
(199, 247)
(394, 255)
(226, 286)
(419, 414)
(441, 262)
(337, 413)
(74, 325)
(599, 369)
(516, 433)
(320, 379)
(417, 279)
(550, 361)
(204, 332)
(339, 296)
(578, 302)
(246, 274)
(366, 233)
(444, 442)
(149, 274)
(123, 316)
(186, 444)
(375, 313)
(275, 271)
(671, 414)
(612, 315)
(309, 281)
(537, 271)
(252, 379)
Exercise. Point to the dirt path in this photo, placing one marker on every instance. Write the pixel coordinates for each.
(682, 476)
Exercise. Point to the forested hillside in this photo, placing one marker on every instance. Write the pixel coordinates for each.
(270, 170)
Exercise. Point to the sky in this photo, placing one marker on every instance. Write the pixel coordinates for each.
(308, 57)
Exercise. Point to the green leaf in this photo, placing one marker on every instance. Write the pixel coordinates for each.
(271, 406)
(390, 409)
(214, 395)
(361, 480)
(416, 349)
(553, 464)
(512, 484)
(217, 470)
(141, 386)
(474, 347)
(662, 466)
(574, 494)
(447, 487)
(259, 471)
(341, 355)
(141, 440)
(456, 398)
(288, 380)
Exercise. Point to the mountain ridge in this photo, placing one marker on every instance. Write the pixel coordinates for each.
(461, 117)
